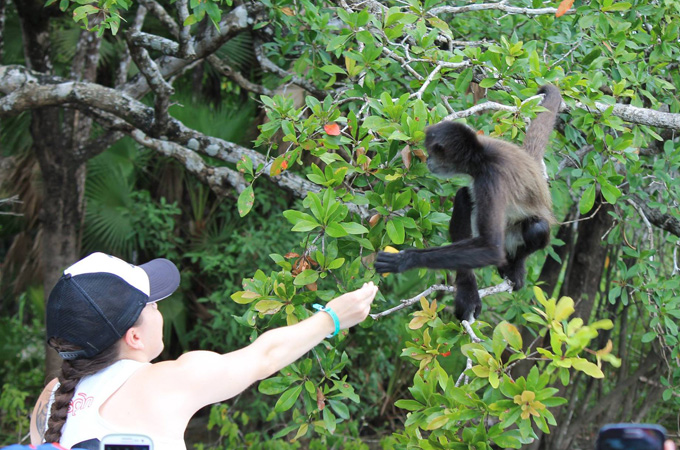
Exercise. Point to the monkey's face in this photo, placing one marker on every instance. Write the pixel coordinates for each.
(440, 161)
(452, 148)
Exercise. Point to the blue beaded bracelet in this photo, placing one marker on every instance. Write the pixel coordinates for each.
(331, 313)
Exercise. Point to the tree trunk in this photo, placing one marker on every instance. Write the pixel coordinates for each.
(582, 280)
(59, 139)
(582, 284)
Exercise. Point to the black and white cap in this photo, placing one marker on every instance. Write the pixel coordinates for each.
(100, 297)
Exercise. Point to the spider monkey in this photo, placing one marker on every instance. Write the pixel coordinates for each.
(501, 218)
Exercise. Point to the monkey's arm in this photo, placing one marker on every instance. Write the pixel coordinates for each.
(469, 253)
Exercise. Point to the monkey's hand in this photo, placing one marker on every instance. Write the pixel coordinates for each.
(392, 262)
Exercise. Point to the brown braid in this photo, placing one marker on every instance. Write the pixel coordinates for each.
(71, 373)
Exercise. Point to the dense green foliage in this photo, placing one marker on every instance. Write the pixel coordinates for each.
(376, 75)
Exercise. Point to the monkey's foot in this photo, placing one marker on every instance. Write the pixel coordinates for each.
(516, 274)
(467, 305)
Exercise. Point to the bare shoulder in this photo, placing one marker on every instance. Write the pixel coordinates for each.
(40, 414)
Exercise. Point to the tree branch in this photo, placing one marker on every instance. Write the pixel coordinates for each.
(153, 42)
(185, 42)
(3, 17)
(500, 6)
(160, 87)
(634, 114)
(125, 59)
(162, 15)
(269, 66)
(28, 90)
(236, 76)
(505, 286)
(230, 25)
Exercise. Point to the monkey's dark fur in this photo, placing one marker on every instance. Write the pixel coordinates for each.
(501, 218)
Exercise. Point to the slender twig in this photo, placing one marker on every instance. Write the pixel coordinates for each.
(235, 75)
(650, 231)
(269, 66)
(13, 200)
(421, 91)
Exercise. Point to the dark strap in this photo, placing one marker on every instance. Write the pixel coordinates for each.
(90, 444)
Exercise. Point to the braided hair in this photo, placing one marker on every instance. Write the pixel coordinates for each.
(71, 373)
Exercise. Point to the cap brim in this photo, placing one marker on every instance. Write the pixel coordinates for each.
(163, 278)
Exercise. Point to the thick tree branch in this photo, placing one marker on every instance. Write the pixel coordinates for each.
(499, 6)
(664, 221)
(153, 42)
(231, 24)
(185, 42)
(27, 90)
(161, 88)
(634, 114)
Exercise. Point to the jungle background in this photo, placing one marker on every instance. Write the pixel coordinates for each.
(270, 148)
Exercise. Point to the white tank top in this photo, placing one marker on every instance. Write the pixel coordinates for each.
(83, 421)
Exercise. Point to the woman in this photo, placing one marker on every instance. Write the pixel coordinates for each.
(103, 320)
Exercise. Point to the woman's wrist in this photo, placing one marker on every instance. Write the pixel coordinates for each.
(333, 315)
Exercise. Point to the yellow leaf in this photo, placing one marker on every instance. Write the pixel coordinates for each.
(417, 322)
(564, 309)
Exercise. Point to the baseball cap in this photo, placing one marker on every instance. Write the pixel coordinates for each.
(100, 297)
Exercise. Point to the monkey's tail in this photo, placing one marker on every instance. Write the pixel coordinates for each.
(540, 128)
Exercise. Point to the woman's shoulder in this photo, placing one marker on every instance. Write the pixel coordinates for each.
(41, 413)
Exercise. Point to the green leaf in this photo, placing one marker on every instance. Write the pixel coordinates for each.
(244, 297)
(354, 228)
(587, 199)
(340, 408)
(329, 420)
(305, 225)
(395, 230)
(648, 337)
(587, 367)
(335, 230)
(410, 405)
(505, 440)
(306, 277)
(245, 201)
(620, 6)
(287, 399)
(274, 385)
(488, 82)
(609, 192)
(268, 306)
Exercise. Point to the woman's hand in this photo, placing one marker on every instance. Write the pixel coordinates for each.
(353, 307)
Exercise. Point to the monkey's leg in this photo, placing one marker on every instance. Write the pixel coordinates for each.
(535, 236)
(467, 303)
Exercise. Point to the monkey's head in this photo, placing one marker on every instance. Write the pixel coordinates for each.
(452, 148)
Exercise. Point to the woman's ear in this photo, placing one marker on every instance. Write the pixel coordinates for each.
(133, 339)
